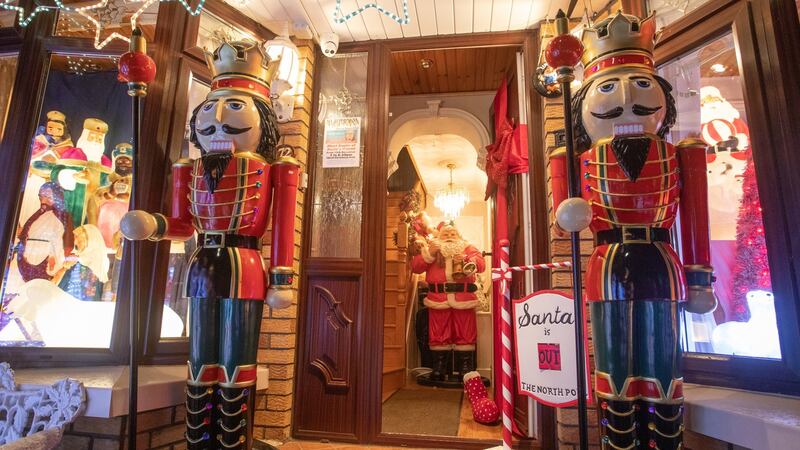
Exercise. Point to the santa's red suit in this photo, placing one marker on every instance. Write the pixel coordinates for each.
(451, 301)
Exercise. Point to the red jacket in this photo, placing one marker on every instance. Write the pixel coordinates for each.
(436, 274)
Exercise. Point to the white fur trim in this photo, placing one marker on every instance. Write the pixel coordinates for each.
(464, 347)
(435, 305)
(470, 375)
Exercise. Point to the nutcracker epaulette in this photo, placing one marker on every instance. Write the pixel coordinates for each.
(287, 160)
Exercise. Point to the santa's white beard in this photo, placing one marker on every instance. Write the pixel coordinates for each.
(452, 247)
(93, 150)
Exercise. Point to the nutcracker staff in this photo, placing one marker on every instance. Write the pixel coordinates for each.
(226, 197)
(632, 185)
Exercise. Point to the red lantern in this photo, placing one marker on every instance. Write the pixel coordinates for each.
(563, 51)
(137, 68)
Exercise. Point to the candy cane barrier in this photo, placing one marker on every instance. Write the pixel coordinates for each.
(503, 276)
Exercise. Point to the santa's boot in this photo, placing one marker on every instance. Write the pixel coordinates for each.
(199, 417)
(660, 425)
(464, 362)
(618, 424)
(234, 418)
(440, 358)
(484, 410)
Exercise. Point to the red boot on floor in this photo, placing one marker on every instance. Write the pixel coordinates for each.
(484, 410)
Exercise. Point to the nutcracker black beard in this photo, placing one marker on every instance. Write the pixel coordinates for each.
(214, 165)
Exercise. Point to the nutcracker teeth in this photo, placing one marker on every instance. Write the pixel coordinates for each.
(628, 129)
(221, 147)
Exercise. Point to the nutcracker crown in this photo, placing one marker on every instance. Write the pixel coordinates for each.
(620, 40)
(241, 67)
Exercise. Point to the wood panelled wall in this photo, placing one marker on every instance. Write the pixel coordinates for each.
(278, 339)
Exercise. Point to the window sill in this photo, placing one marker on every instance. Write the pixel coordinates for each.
(749, 419)
(107, 386)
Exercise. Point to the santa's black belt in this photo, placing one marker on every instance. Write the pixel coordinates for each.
(632, 235)
(451, 288)
(224, 240)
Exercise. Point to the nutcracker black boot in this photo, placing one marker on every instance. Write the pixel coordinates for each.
(200, 417)
(618, 424)
(660, 425)
(234, 418)
(440, 359)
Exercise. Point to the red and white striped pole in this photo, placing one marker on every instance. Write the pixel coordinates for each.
(506, 330)
(503, 275)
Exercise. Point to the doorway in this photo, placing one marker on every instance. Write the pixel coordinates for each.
(359, 354)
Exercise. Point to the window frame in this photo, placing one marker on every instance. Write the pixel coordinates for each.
(708, 22)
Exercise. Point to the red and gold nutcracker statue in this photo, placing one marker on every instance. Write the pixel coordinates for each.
(632, 184)
(226, 197)
(450, 264)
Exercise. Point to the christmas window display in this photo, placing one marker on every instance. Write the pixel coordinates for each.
(64, 268)
(710, 104)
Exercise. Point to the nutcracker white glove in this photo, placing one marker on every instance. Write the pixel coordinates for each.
(138, 225)
(574, 215)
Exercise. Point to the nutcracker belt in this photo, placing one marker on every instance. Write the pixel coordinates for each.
(223, 240)
(447, 288)
(633, 235)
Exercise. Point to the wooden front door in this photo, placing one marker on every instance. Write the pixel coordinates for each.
(342, 252)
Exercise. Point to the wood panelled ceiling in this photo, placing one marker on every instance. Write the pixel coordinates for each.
(452, 70)
(427, 17)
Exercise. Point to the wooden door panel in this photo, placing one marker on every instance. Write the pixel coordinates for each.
(328, 362)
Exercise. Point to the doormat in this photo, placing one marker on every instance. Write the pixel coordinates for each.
(428, 411)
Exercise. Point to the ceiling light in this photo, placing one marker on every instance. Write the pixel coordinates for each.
(452, 199)
(718, 68)
(426, 63)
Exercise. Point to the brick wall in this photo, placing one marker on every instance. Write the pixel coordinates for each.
(277, 343)
(160, 429)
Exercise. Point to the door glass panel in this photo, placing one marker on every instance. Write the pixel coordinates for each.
(339, 167)
(64, 268)
(710, 102)
(8, 71)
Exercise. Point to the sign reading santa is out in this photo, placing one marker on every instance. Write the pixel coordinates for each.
(544, 338)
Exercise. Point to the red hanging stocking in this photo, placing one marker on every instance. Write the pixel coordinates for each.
(484, 410)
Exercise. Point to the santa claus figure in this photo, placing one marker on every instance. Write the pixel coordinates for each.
(450, 264)
(722, 123)
(93, 139)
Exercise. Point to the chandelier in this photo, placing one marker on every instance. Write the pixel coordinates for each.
(452, 199)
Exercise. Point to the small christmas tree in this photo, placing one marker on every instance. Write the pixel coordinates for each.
(751, 270)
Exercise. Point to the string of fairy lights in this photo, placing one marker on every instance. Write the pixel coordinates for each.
(339, 17)
(24, 17)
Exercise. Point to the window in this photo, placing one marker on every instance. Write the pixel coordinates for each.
(668, 11)
(339, 172)
(710, 103)
(60, 286)
(174, 318)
